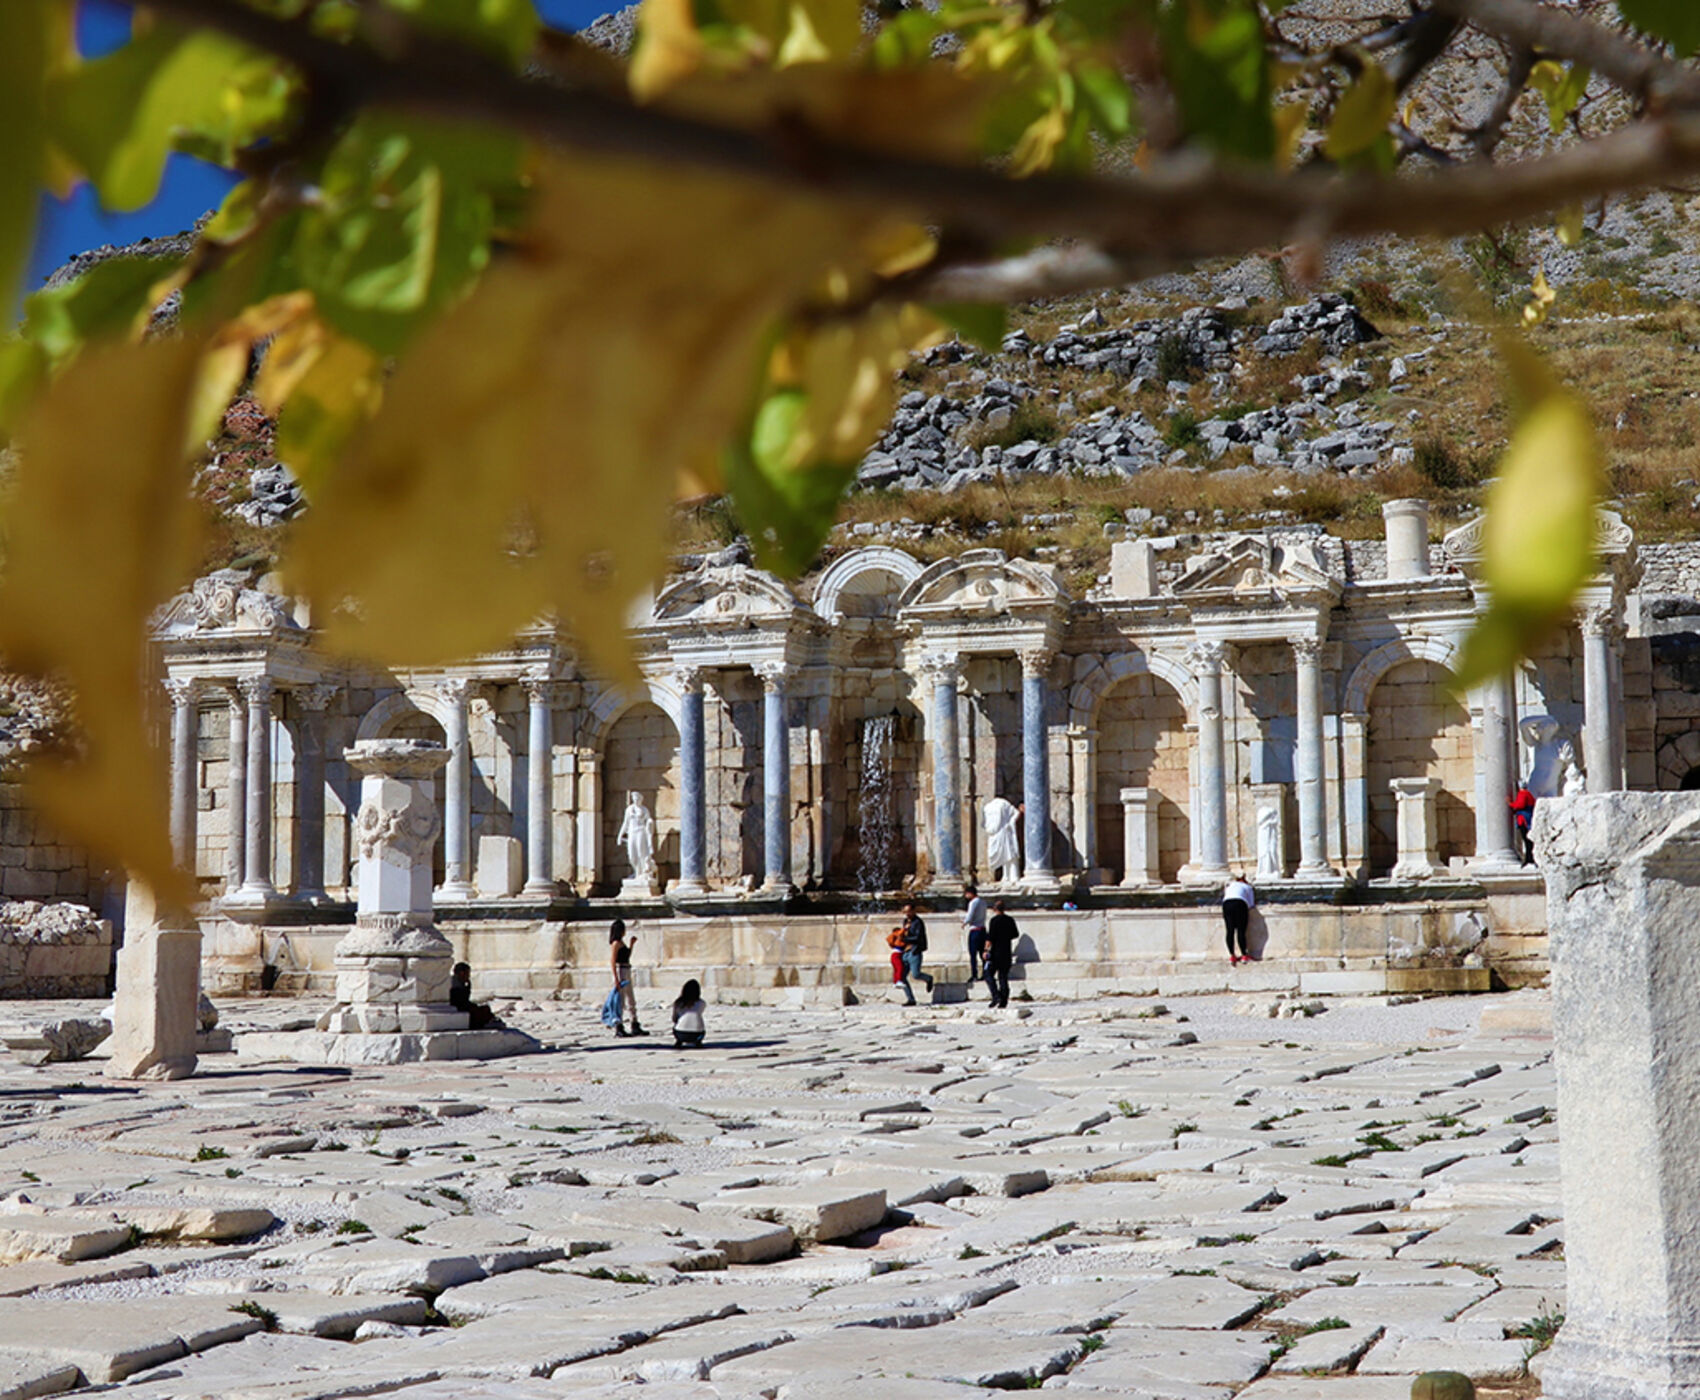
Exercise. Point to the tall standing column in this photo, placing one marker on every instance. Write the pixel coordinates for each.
(257, 862)
(693, 785)
(1036, 770)
(1597, 717)
(946, 671)
(457, 793)
(1212, 845)
(776, 774)
(183, 717)
(1493, 764)
(1308, 765)
(236, 794)
(313, 701)
(540, 800)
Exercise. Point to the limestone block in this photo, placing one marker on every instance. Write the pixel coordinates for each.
(501, 866)
(57, 1041)
(816, 1211)
(154, 1012)
(27, 1234)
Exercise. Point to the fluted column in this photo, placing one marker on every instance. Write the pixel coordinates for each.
(457, 793)
(1308, 766)
(1035, 769)
(1207, 660)
(776, 774)
(1493, 759)
(945, 671)
(1597, 710)
(313, 701)
(257, 885)
(693, 785)
(236, 814)
(183, 717)
(540, 801)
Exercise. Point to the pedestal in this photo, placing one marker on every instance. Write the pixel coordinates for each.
(638, 887)
(1139, 838)
(1623, 897)
(1418, 857)
(155, 1011)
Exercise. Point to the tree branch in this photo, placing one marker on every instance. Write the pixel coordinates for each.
(1181, 210)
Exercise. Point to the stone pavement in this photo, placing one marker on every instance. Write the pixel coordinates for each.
(1189, 1202)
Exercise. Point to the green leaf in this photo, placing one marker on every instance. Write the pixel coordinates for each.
(976, 322)
(1562, 87)
(23, 370)
(104, 301)
(508, 27)
(118, 117)
(1362, 114)
(1104, 94)
(1216, 63)
(787, 510)
(1677, 22)
(23, 62)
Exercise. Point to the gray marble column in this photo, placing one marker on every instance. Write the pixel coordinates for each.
(776, 774)
(457, 793)
(1493, 823)
(313, 700)
(1308, 764)
(257, 885)
(183, 724)
(945, 671)
(540, 801)
(693, 785)
(1207, 660)
(1035, 769)
(236, 815)
(1597, 716)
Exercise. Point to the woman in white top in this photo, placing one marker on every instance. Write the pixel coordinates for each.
(688, 1012)
(1238, 898)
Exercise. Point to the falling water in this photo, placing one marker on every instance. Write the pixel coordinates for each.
(879, 818)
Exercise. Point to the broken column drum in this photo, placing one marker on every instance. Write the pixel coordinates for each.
(392, 971)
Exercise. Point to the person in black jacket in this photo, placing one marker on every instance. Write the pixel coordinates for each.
(914, 948)
(1001, 936)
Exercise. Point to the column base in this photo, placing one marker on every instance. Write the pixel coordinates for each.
(1040, 882)
(1204, 874)
(635, 888)
(454, 892)
(1499, 863)
(946, 885)
(253, 896)
(313, 899)
(1320, 871)
(1412, 870)
(687, 889)
(1141, 882)
(538, 889)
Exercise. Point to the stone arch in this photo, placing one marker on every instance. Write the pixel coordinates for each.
(1442, 651)
(848, 570)
(1087, 696)
(377, 722)
(1418, 727)
(1678, 758)
(604, 712)
(983, 579)
(1141, 723)
(639, 748)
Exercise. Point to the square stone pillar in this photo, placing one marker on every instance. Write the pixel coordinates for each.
(155, 1011)
(1140, 848)
(1623, 899)
(1418, 855)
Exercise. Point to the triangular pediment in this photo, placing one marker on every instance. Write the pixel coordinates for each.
(731, 594)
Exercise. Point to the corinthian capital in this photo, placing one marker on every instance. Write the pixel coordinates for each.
(941, 667)
(1600, 620)
(1207, 658)
(257, 690)
(774, 675)
(1307, 649)
(455, 689)
(1036, 663)
(181, 690)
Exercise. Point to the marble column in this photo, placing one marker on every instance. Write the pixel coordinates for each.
(1036, 769)
(183, 723)
(1493, 824)
(236, 805)
(1207, 660)
(776, 775)
(1308, 763)
(693, 785)
(945, 671)
(1140, 848)
(457, 793)
(257, 862)
(1354, 786)
(540, 802)
(1597, 716)
(313, 701)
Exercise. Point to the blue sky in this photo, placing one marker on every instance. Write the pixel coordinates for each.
(191, 187)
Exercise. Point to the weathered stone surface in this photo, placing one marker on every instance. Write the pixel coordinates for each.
(23, 1377)
(57, 1041)
(815, 1211)
(108, 1341)
(64, 1238)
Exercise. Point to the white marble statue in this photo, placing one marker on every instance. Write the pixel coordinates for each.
(1003, 851)
(1575, 781)
(637, 835)
(1544, 737)
(1269, 844)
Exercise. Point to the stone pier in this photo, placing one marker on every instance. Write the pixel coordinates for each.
(159, 986)
(1417, 860)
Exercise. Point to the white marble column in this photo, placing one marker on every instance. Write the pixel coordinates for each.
(184, 715)
(313, 701)
(1309, 768)
(693, 785)
(1140, 848)
(1598, 719)
(1493, 762)
(257, 886)
(540, 802)
(945, 672)
(236, 803)
(457, 793)
(1354, 786)
(776, 775)
(1036, 770)
(1207, 660)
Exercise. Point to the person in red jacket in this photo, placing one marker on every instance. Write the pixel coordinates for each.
(1522, 813)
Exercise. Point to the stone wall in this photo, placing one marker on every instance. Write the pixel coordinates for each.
(1142, 742)
(35, 863)
(53, 950)
(642, 756)
(1418, 729)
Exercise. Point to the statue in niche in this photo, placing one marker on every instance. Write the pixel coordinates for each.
(1544, 737)
(637, 835)
(1001, 819)
(1574, 780)
(1269, 844)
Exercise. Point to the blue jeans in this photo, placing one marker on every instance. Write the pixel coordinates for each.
(976, 951)
(912, 968)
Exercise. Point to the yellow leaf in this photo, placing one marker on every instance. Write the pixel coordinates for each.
(1362, 114)
(101, 529)
(1290, 119)
(669, 47)
(1569, 225)
(322, 400)
(821, 30)
(225, 364)
(529, 445)
(1039, 142)
(1540, 301)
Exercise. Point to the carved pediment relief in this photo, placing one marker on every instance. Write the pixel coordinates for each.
(731, 595)
(982, 581)
(222, 602)
(1462, 549)
(1251, 566)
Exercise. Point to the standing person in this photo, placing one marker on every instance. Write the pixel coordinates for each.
(1238, 900)
(688, 1012)
(1001, 936)
(914, 950)
(620, 960)
(1522, 814)
(974, 920)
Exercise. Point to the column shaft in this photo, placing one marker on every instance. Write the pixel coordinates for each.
(539, 814)
(257, 873)
(693, 786)
(457, 795)
(1597, 747)
(1308, 763)
(1212, 776)
(947, 776)
(1493, 824)
(310, 793)
(776, 778)
(236, 815)
(1035, 769)
(183, 718)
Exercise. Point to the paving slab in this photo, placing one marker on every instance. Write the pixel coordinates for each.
(23, 1377)
(108, 1341)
